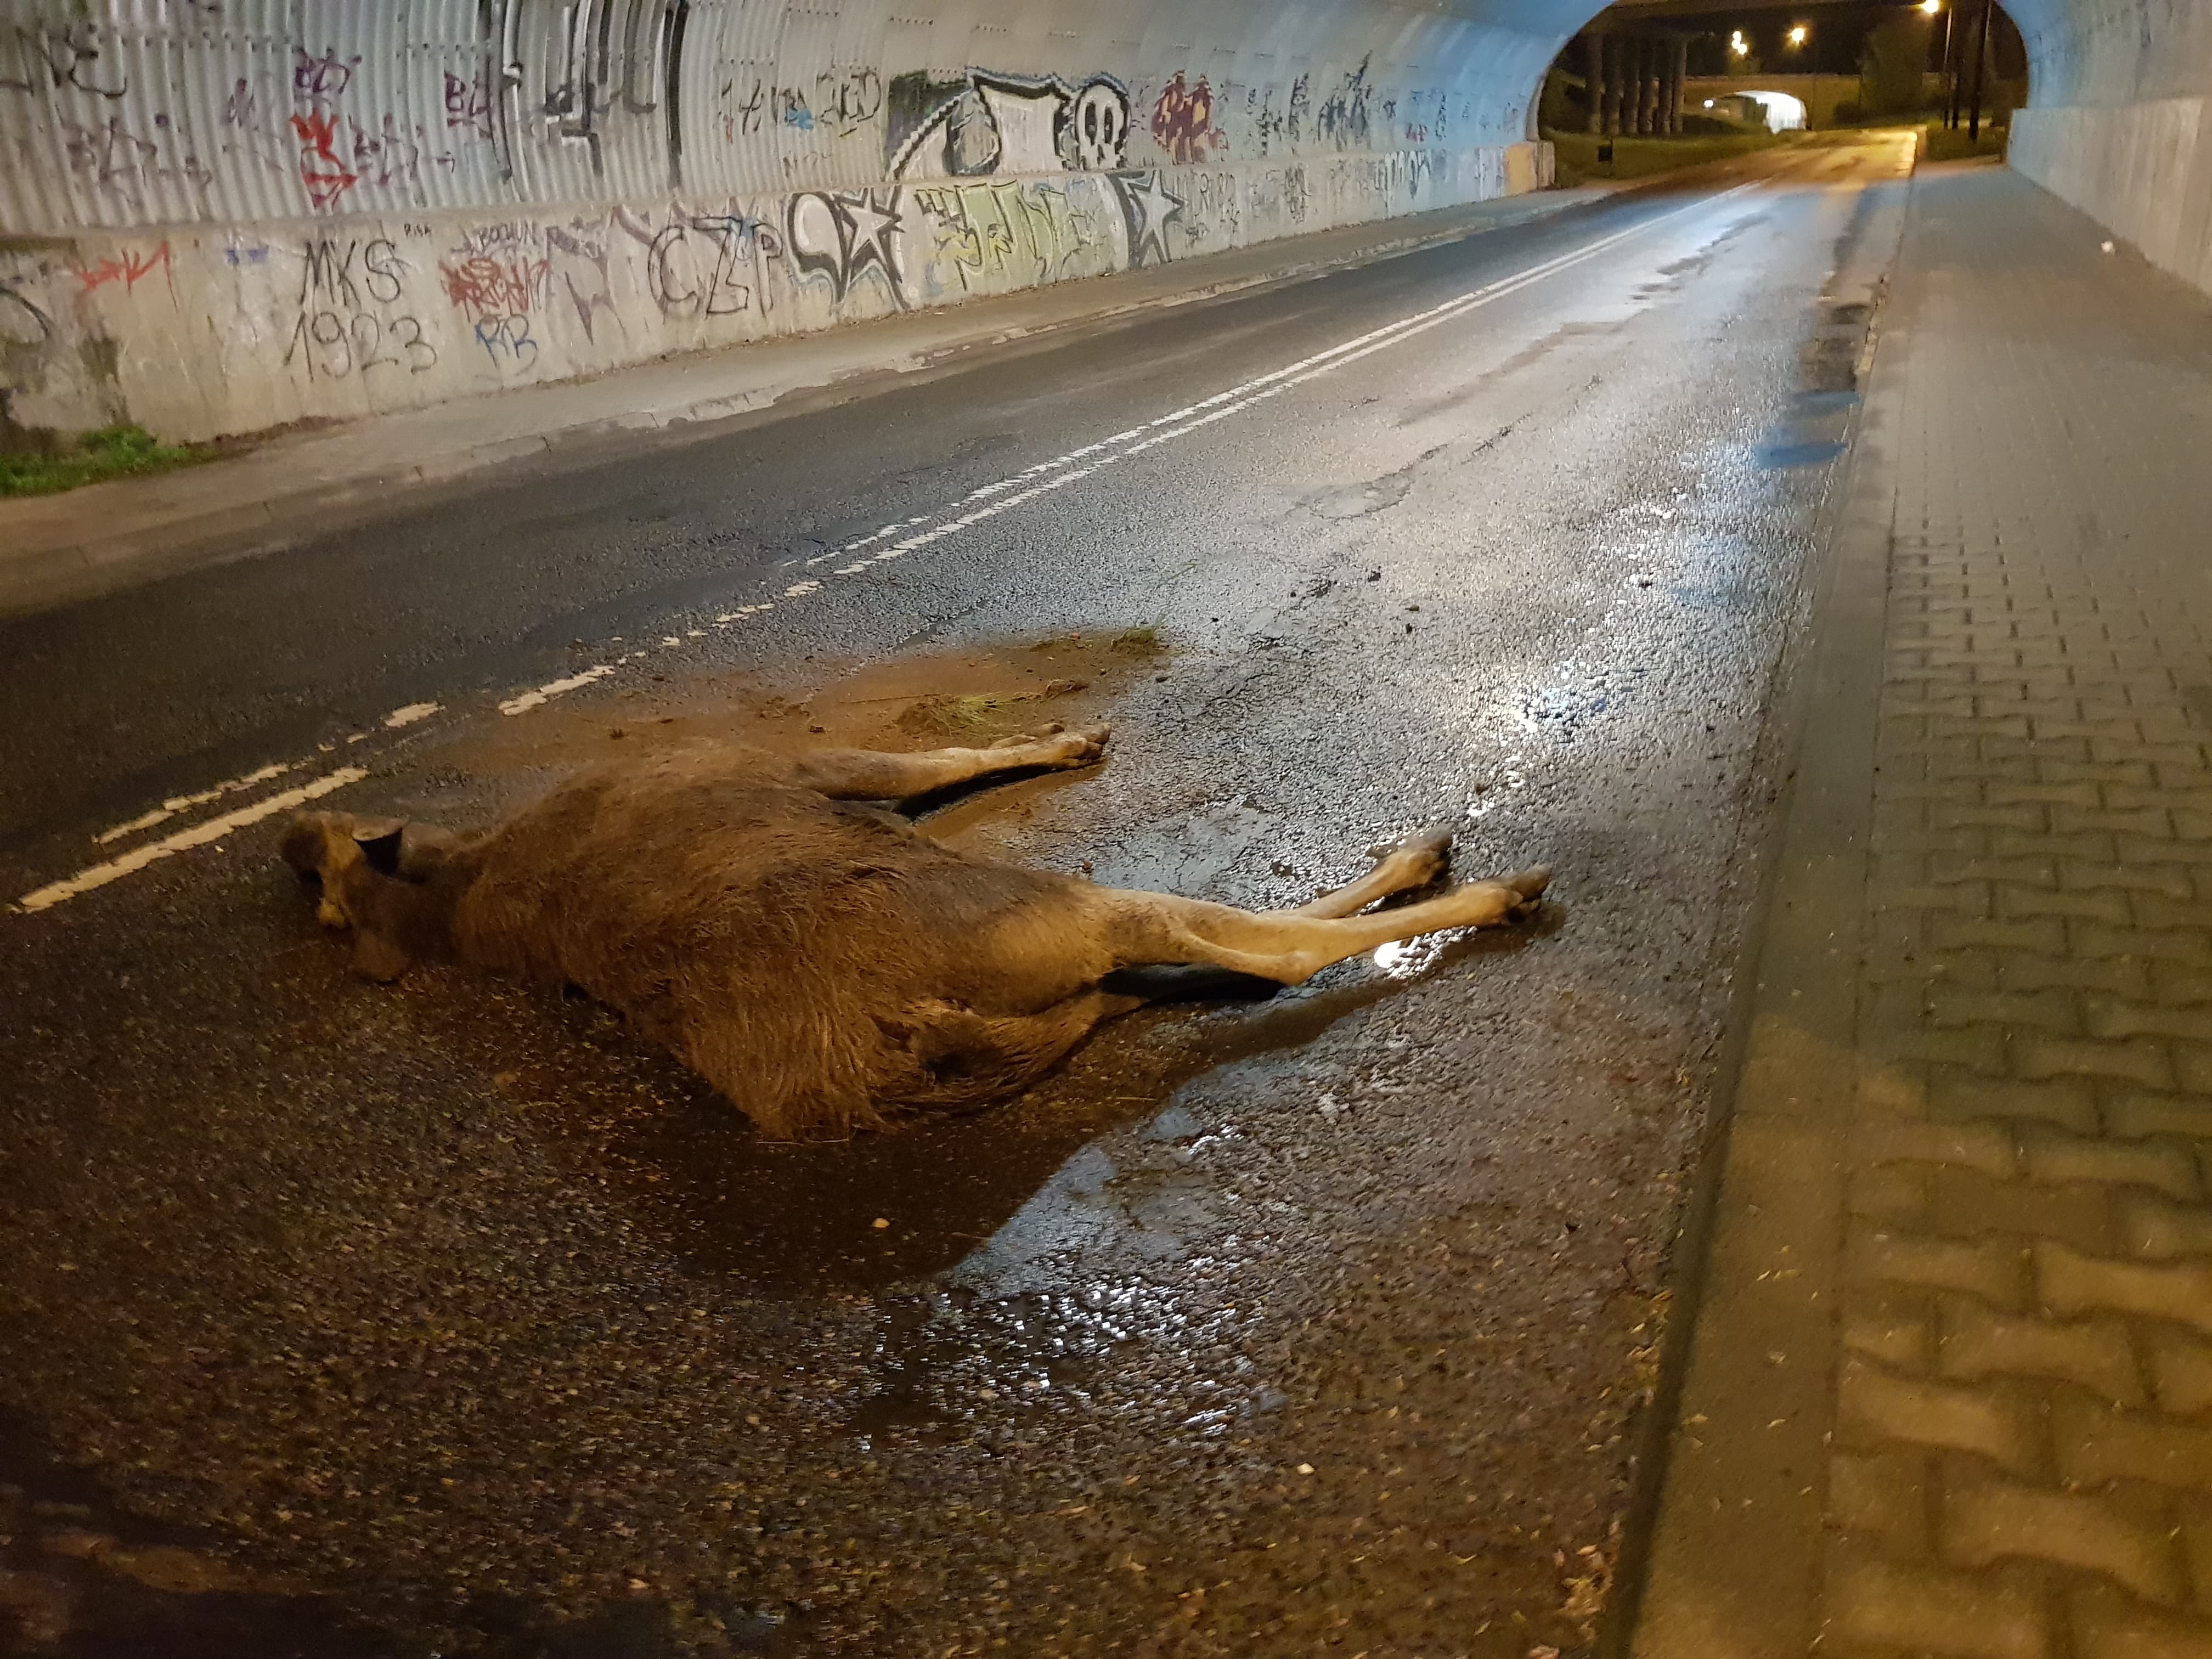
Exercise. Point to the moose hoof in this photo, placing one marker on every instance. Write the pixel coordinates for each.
(1530, 884)
(1425, 853)
(1085, 744)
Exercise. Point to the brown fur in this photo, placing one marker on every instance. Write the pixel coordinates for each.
(819, 959)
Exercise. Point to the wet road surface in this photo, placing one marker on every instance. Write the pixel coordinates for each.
(445, 1317)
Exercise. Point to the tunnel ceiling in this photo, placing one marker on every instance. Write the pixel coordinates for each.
(125, 115)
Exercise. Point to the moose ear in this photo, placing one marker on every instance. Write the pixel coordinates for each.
(380, 845)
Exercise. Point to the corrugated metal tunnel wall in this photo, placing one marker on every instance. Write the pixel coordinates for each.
(224, 218)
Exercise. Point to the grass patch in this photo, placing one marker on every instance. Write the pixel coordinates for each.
(1576, 153)
(114, 452)
(1138, 642)
(1940, 144)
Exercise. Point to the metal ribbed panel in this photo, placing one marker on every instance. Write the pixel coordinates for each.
(127, 113)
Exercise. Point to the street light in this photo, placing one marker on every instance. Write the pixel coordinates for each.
(1797, 36)
(1737, 45)
(1931, 7)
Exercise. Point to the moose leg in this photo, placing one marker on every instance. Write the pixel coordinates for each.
(1291, 947)
(869, 774)
(1414, 862)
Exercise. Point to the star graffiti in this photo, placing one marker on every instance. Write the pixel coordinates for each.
(842, 234)
(1147, 209)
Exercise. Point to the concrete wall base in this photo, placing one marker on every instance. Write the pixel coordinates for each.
(2140, 169)
(205, 331)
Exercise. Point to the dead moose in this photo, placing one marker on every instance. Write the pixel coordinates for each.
(808, 951)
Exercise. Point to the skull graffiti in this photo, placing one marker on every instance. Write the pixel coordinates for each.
(1095, 126)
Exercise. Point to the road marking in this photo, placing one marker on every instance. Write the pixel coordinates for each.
(552, 689)
(198, 835)
(176, 804)
(410, 714)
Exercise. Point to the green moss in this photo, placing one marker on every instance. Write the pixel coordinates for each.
(114, 452)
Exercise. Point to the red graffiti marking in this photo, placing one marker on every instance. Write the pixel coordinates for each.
(326, 177)
(1182, 121)
(125, 269)
(484, 287)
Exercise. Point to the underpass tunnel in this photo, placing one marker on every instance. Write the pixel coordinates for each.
(1663, 69)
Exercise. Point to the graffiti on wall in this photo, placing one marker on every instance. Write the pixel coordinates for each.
(512, 95)
(1007, 233)
(1148, 211)
(126, 267)
(1182, 121)
(496, 277)
(317, 83)
(986, 122)
(27, 338)
(353, 315)
(577, 258)
(600, 57)
(693, 263)
(841, 236)
(34, 58)
(468, 103)
(1343, 119)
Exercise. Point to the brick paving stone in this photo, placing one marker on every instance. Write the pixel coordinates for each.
(2095, 1443)
(2108, 1626)
(1932, 1610)
(2021, 1399)
(1989, 1521)
(1978, 1342)
(2159, 1230)
(1876, 1407)
(2181, 1372)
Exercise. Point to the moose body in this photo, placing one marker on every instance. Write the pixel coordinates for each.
(808, 951)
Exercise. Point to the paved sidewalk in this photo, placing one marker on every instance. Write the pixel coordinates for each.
(1950, 1386)
(55, 548)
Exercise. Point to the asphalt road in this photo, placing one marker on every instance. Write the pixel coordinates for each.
(445, 1318)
